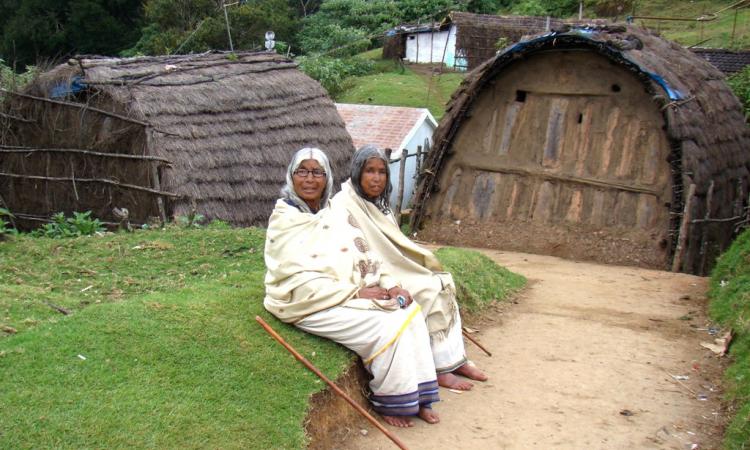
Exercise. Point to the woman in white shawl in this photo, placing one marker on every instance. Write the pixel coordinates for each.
(366, 197)
(323, 278)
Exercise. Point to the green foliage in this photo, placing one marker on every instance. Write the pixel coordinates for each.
(5, 226)
(333, 40)
(555, 8)
(190, 221)
(730, 306)
(479, 281)
(34, 30)
(740, 84)
(332, 73)
(81, 224)
(13, 81)
(184, 26)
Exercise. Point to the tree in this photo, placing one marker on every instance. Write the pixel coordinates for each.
(200, 25)
(34, 30)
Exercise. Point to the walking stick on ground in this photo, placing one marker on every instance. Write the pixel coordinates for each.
(330, 383)
(466, 333)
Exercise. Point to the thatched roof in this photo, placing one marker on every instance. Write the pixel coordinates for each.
(228, 123)
(704, 120)
(477, 35)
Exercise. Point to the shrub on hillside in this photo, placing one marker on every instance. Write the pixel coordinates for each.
(333, 72)
(740, 84)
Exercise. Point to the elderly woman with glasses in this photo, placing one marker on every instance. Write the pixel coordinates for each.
(324, 278)
(365, 196)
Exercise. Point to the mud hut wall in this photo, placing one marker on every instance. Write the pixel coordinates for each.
(394, 47)
(64, 127)
(579, 148)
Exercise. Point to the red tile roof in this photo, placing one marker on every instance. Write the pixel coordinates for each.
(384, 126)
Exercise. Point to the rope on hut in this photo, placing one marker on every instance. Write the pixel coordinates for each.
(88, 108)
(18, 149)
(92, 180)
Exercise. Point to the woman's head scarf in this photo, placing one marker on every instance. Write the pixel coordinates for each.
(287, 192)
(360, 158)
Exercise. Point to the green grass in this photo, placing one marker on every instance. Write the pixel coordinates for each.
(173, 355)
(716, 33)
(403, 88)
(730, 305)
(173, 360)
(479, 281)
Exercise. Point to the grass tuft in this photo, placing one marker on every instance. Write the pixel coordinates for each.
(479, 280)
(730, 305)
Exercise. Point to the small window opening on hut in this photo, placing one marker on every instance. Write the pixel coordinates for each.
(520, 96)
(616, 88)
(580, 118)
(412, 37)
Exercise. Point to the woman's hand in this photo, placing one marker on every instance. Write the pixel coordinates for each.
(396, 292)
(373, 292)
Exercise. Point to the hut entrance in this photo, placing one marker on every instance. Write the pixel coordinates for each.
(562, 153)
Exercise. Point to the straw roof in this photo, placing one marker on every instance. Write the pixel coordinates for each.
(704, 120)
(228, 123)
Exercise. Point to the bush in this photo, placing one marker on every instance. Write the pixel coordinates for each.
(81, 224)
(332, 72)
(13, 81)
(5, 228)
(740, 84)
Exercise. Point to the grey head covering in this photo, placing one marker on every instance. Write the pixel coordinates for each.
(360, 158)
(287, 192)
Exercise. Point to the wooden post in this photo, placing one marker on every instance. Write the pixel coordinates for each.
(704, 233)
(159, 200)
(400, 196)
(418, 162)
(679, 253)
(740, 196)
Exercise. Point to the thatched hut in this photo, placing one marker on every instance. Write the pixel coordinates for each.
(163, 136)
(607, 144)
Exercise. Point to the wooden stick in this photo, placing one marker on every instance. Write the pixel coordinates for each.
(330, 383)
(401, 173)
(679, 252)
(91, 180)
(18, 149)
(466, 333)
(704, 232)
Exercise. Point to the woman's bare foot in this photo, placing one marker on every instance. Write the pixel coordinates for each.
(428, 415)
(450, 381)
(400, 421)
(471, 371)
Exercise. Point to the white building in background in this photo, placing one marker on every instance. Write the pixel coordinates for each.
(398, 128)
(430, 44)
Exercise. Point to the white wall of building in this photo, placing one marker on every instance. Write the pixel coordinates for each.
(429, 47)
(419, 135)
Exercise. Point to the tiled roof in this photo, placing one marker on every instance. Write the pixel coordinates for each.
(727, 61)
(384, 126)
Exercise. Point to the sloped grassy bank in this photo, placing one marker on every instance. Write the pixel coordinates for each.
(147, 340)
(730, 306)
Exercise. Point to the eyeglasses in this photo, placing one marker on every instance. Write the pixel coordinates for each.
(317, 173)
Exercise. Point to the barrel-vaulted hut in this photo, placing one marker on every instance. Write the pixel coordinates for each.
(608, 144)
(165, 136)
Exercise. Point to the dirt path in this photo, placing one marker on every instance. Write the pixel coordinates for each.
(584, 360)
